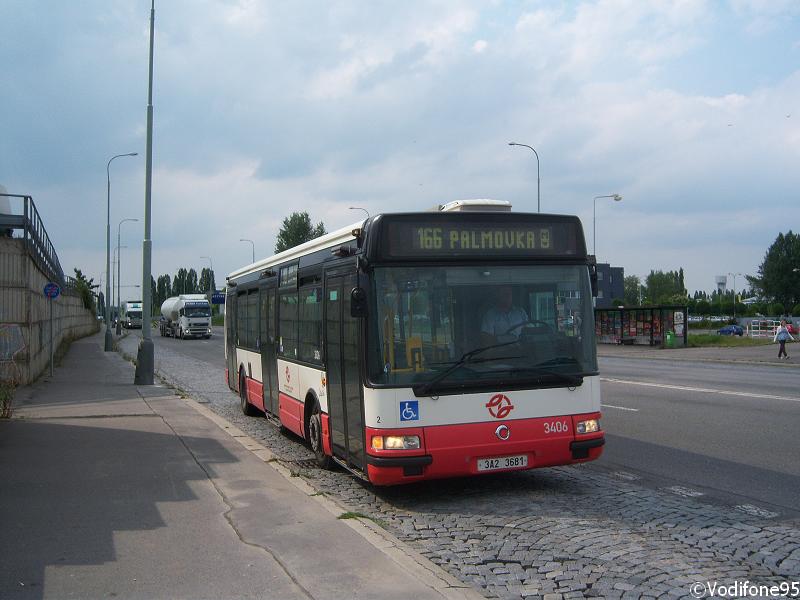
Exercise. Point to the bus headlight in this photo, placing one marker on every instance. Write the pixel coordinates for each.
(395, 442)
(589, 426)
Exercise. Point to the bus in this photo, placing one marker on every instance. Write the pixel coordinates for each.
(375, 343)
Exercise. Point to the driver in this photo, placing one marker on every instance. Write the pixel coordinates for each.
(503, 322)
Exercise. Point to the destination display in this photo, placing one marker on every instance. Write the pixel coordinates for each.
(407, 239)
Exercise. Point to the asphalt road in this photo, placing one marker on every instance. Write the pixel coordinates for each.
(727, 433)
(721, 429)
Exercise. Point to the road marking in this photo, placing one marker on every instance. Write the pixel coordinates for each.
(683, 491)
(756, 511)
(696, 389)
(626, 476)
(620, 407)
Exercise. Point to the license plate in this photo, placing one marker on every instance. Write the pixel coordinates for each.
(503, 462)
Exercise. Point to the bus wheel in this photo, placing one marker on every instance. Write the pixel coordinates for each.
(315, 437)
(248, 409)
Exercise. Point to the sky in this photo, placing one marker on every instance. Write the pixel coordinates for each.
(688, 109)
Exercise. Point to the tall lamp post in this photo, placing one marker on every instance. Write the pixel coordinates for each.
(252, 243)
(115, 285)
(109, 340)
(617, 198)
(145, 363)
(119, 260)
(366, 212)
(538, 180)
(734, 291)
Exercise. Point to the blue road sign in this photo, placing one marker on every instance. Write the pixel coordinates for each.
(217, 298)
(51, 290)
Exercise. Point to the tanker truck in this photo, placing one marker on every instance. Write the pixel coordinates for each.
(187, 315)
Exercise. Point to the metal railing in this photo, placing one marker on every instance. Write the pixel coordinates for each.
(34, 235)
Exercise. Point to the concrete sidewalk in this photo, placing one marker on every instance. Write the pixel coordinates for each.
(114, 490)
(766, 354)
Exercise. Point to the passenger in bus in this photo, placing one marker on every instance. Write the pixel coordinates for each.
(502, 322)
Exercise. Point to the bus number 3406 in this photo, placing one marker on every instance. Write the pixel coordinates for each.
(556, 427)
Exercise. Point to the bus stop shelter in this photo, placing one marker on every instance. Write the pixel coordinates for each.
(664, 326)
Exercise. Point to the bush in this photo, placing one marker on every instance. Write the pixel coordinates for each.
(796, 310)
(6, 397)
(775, 309)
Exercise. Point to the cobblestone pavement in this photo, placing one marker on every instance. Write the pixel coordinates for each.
(567, 532)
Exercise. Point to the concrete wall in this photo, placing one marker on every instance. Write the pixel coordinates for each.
(23, 305)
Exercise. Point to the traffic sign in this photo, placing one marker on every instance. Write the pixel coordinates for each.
(51, 290)
(217, 298)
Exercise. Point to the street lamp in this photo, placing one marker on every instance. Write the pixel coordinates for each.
(114, 261)
(119, 260)
(109, 341)
(145, 360)
(617, 198)
(252, 243)
(359, 208)
(734, 291)
(538, 180)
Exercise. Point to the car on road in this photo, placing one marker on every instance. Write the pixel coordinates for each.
(731, 330)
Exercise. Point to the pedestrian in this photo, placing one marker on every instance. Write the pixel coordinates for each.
(781, 335)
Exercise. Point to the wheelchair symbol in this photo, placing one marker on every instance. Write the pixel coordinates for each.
(409, 411)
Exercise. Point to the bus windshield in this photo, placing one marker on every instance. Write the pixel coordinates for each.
(440, 328)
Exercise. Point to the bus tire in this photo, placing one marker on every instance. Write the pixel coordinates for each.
(315, 437)
(247, 409)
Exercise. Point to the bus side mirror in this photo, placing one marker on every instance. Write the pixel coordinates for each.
(593, 275)
(358, 302)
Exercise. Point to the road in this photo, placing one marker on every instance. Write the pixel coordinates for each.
(629, 523)
(728, 431)
(719, 432)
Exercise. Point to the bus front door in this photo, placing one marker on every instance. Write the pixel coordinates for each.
(269, 359)
(230, 341)
(344, 384)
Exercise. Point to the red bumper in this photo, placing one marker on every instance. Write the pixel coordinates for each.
(454, 450)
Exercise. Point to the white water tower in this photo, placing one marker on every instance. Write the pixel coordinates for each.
(722, 283)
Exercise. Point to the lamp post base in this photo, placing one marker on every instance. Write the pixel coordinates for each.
(109, 344)
(144, 363)
(119, 328)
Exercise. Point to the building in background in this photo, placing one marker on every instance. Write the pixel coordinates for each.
(610, 285)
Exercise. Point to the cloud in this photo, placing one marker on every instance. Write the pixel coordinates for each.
(265, 108)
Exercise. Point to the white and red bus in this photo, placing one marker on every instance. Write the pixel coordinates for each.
(379, 343)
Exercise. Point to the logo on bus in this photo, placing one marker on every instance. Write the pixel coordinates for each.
(288, 375)
(500, 406)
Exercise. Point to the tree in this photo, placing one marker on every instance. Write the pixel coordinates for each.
(163, 290)
(191, 282)
(778, 275)
(84, 288)
(207, 281)
(633, 290)
(179, 282)
(296, 230)
(665, 288)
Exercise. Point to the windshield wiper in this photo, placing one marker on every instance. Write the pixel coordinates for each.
(422, 390)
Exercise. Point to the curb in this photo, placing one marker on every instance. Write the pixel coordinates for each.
(416, 565)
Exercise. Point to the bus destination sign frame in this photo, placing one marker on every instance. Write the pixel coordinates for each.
(488, 238)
